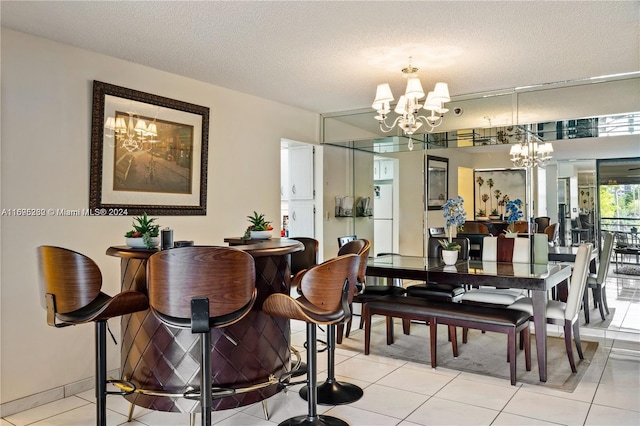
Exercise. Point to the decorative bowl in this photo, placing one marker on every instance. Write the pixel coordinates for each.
(261, 235)
(139, 242)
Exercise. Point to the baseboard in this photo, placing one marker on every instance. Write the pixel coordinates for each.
(51, 395)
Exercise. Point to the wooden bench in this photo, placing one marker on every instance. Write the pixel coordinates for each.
(508, 321)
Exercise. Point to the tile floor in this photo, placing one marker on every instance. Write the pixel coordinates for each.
(406, 394)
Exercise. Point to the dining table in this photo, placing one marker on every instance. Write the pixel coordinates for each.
(536, 278)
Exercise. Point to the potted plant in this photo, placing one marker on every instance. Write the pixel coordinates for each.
(455, 216)
(260, 228)
(144, 234)
(482, 215)
(494, 215)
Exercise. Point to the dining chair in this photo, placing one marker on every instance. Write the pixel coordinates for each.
(496, 249)
(596, 282)
(566, 313)
(301, 260)
(520, 227)
(70, 291)
(542, 222)
(552, 233)
(363, 293)
(344, 240)
(366, 292)
(437, 232)
(202, 288)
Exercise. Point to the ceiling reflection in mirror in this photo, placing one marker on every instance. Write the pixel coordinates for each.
(599, 108)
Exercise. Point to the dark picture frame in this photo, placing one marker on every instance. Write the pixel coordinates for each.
(437, 182)
(164, 176)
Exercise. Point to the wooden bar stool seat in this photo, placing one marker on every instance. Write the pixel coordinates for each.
(70, 284)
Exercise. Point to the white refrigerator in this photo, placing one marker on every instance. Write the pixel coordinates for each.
(383, 218)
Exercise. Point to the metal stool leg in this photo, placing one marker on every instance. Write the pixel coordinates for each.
(206, 399)
(101, 373)
(312, 418)
(333, 392)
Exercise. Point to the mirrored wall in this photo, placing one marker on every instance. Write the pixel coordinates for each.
(586, 120)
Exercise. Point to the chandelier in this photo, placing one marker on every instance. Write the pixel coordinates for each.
(531, 154)
(409, 105)
(132, 134)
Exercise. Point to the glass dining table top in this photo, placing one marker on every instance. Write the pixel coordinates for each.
(473, 267)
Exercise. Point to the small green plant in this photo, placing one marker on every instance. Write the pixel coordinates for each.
(258, 223)
(482, 213)
(449, 245)
(143, 227)
(494, 212)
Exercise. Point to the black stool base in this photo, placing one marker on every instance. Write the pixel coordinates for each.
(317, 421)
(335, 393)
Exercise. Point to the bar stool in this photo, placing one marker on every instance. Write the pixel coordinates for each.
(324, 301)
(331, 391)
(300, 261)
(201, 288)
(70, 285)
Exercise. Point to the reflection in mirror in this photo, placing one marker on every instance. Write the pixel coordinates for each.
(580, 118)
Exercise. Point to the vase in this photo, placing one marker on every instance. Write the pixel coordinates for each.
(494, 217)
(139, 242)
(449, 257)
(260, 235)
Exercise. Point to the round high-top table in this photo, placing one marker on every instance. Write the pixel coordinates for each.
(248, 357)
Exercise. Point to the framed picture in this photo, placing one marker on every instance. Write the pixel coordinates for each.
(437, 182)
(148, 153)
(494, 188)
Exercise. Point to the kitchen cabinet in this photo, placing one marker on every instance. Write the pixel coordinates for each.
(301, 172)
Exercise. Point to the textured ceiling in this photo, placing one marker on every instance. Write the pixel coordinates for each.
(329, 56)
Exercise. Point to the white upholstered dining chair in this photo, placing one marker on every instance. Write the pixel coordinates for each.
(566, 313)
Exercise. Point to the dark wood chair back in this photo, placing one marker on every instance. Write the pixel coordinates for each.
(305, 259)
(475, 228)
(224, 275)
(552, 232)
(71, 277)
(361, 248)
(322, 284)
(520, 227)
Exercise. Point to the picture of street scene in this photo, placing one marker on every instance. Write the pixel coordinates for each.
(160, 162)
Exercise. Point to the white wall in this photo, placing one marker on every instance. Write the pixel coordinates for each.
(46, 126)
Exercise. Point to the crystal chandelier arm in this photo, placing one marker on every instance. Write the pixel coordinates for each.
(432, 121)
(384, 126)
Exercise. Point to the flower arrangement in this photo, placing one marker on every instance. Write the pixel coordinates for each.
(455, 216)
(512, 211)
